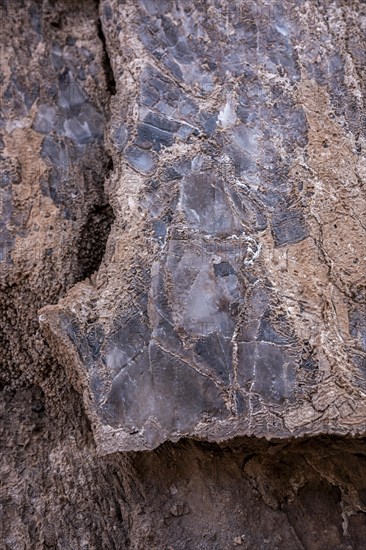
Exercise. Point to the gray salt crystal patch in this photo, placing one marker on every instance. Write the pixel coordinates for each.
(107, 11)
(152, 137)
(170, 32)
(125, 344)
(266, 369)
(288, 227)
(183, 391)
(86, 127)
(55, 152)
(161, 122)
(140, 160)
(77, 131)
(246, 139)
(56, 57)
(156, 8)
(268, 331)
(205, 205)
(6, 242)
(130, 401)
(70, 93)
(185, 131)
(6, 204)
(215, 351)
(30, 94)
(120, 136)
(94, 119)
(45, 119)
(95, 338)
(357, 322)
(169, 391)
(188, 108)
(223, 269)
(208, 121)
(173, 68)
(172, 173)
(183, 52)
(166, 109)
(202, 302)
(160, 230)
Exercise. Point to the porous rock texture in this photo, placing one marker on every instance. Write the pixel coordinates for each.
(183, 323)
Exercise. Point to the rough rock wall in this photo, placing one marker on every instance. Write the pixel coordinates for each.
(55, 217)
(220, 149)
(229, 300)
(58, 493)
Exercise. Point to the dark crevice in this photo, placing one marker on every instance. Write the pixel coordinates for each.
(93, 240)
(94, 234)
(106, 62)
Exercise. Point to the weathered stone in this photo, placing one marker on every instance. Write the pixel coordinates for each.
(248, 208)
(182, 242)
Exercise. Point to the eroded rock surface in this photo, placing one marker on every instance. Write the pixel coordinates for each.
(54, 214)
(306, 494)
(230, 297)
(182, 255)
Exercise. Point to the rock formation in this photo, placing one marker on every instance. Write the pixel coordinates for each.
(183, 320)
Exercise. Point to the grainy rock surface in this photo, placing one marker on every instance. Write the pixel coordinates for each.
(182, 254)
(229, 298)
